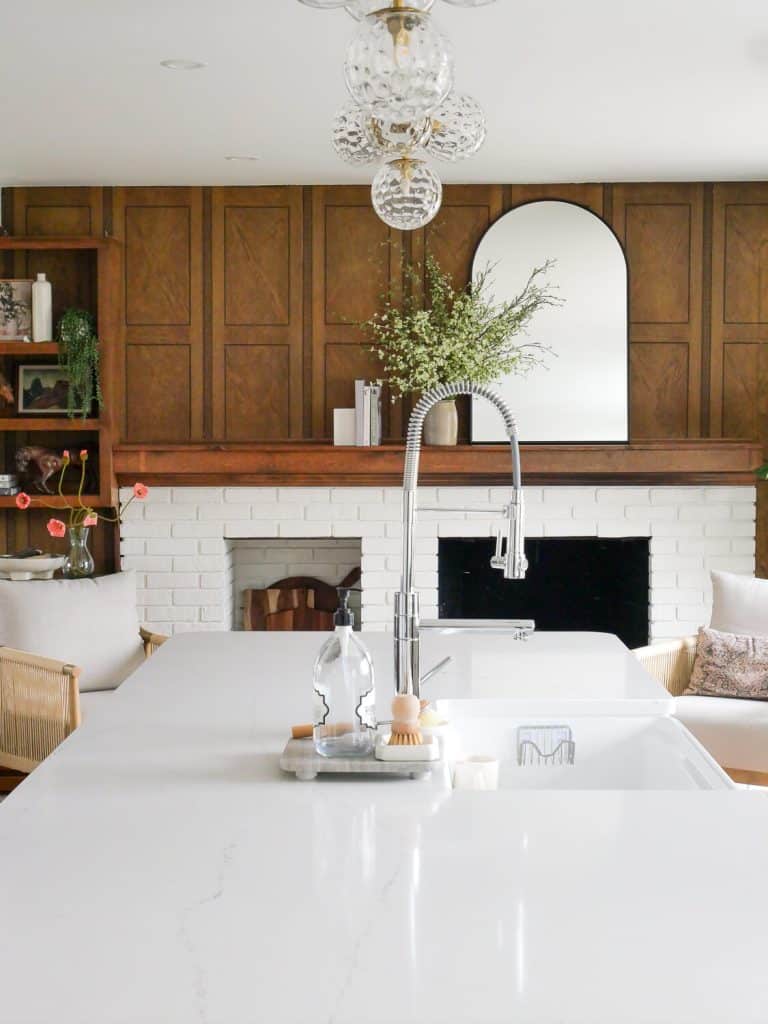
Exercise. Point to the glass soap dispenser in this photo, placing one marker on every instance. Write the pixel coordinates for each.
(344, 693)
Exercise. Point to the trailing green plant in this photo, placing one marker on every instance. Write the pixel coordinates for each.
(464, 334)
(79, 355)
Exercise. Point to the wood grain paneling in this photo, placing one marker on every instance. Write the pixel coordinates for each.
(161, 230)
(739, 324)
(258, 312)
(158, 264)
(158, 392)
(257, 265)
(58, 211)
(745, 389)
(662, 230)
(590, 195)
(658, 240)
(658, 387)
(355, 259)
(257, 398)
(745, 258)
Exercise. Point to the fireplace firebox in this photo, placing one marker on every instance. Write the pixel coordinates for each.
(573, 583)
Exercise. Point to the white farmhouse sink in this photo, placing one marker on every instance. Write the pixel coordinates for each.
(611, 752)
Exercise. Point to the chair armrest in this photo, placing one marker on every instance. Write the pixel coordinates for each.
(670, 662)
(39, 707)
(151, 641)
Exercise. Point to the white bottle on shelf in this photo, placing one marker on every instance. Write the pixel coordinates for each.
(42, 310)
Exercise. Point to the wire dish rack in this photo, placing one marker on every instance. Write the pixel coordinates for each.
(545, 745)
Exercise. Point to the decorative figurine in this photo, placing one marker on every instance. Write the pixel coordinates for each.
(6, 391)
(39, 464)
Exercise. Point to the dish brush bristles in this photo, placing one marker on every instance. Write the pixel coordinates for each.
(405, 721)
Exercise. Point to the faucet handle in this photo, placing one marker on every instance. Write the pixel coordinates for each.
(510, 543)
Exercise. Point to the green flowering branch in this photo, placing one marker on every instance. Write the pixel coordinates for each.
(465, 334)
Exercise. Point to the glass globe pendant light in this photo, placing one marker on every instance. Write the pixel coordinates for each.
(352, 139)
(393, 138)
(398, 65)
(458, 128)
(360, 9)
(406, 194)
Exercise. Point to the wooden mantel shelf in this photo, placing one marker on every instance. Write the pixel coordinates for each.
(707, 461)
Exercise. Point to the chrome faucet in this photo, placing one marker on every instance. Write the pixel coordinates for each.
(509, 556)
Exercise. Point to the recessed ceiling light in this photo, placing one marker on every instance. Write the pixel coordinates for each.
(181, 64)
(242, 158)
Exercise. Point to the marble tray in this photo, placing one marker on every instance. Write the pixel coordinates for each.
(301, 758)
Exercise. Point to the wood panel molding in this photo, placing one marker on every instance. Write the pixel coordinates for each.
(651, 462)
(258, 309)
(161, 230)
(662, 230)
(355, 259)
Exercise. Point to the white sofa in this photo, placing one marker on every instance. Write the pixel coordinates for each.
(734, 731)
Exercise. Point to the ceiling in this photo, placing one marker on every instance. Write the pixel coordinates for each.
(599, 90)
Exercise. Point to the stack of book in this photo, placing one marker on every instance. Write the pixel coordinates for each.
(9, 484)
(368, 429)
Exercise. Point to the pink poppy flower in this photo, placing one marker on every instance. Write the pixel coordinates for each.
(65, 455)
(140, 491)
(91, 519)
(23, 500)
(83, 454)
(56, 528)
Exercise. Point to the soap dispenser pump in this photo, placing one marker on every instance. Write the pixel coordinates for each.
(344, 691)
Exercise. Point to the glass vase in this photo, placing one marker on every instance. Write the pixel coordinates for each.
(79, 563)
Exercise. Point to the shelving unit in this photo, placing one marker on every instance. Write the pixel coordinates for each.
(22, 349)
(84, 271)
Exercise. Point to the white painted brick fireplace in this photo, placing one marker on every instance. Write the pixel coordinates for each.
(181, 542)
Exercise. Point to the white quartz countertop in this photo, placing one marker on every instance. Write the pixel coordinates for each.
(159, 868)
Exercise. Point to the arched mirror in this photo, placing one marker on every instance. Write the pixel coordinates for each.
(580, 394)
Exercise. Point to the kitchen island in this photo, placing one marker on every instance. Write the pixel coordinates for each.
(160, 868)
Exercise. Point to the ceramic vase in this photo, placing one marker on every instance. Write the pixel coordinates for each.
(42, 310)
(79, 563)
(442, 423)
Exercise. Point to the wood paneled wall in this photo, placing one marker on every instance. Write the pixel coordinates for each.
(238, 303)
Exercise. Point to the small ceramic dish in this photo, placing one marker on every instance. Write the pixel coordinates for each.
(38, 567)
(429, 750)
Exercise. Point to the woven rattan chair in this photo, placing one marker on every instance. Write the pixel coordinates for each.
(671, 662)
(39, 707)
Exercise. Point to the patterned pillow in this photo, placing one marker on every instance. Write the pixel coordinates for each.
(729, 665)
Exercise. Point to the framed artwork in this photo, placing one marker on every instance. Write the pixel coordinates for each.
(15, 309)
(42, 390)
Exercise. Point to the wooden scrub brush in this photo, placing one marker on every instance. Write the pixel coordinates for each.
(405, 721)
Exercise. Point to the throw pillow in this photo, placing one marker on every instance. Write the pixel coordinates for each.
(729, 665)
(90, 623)
(739, 604)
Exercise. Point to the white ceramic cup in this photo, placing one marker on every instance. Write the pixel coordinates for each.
(476, 773)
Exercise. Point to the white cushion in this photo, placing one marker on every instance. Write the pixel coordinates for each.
(734, 731)
(739, 604)
(89, 623)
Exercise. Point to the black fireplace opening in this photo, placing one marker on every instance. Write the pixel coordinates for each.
(596, 584)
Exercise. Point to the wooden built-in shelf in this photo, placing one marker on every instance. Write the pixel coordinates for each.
(56, 243)
(54, 501)
(29, 348)
(46, 423)
(320, 464)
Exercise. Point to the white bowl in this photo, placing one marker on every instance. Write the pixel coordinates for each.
(38, 567)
